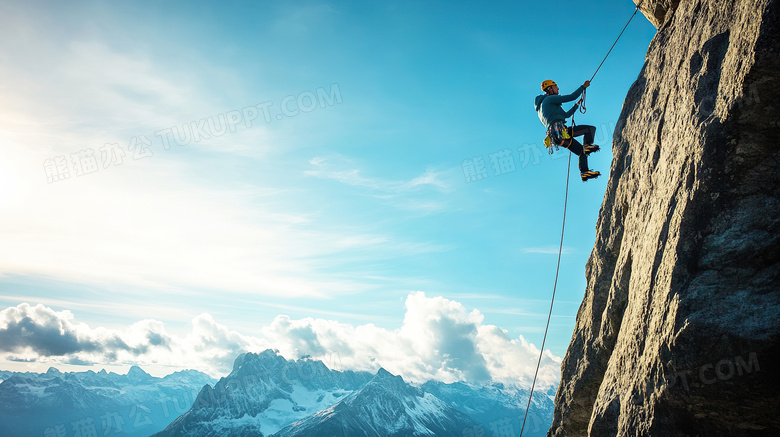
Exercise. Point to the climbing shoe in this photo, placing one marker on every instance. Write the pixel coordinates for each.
(591, 149)
(590, 174)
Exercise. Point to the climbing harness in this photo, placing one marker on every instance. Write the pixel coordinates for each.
(556, 134)
(563, 226)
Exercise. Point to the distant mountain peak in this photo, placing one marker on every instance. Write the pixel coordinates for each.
(31, 404)
(388, 380)
(267, 359)
(269, 395)
(384, 373)
(136, 373)
(386, 405)
(269, 353)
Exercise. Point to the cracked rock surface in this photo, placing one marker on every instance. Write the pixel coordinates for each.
(677, 334)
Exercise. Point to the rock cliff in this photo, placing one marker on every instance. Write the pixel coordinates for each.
(677, 334)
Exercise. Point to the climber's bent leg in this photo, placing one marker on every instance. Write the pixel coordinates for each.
(583, 129)
(575, 147)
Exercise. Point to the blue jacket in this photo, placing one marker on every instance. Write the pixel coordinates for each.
(549, 107)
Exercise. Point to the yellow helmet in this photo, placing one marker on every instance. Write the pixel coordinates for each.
(548, 83)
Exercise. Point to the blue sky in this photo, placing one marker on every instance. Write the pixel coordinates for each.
(318, 173)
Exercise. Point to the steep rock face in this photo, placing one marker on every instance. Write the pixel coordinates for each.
(678, 330)
(656, 11)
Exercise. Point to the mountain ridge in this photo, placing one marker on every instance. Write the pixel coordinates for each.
(385, 406)
(134, 404)
(267, 395)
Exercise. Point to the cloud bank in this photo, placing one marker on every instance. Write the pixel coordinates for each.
(438, 339)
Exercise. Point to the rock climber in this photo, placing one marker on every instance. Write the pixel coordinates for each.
(553, 117)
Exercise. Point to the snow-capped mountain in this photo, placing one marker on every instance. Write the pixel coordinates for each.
(496, 407)
(385, 407)
(267, 395)
(64, 404)
(262, 394)
(4, 374)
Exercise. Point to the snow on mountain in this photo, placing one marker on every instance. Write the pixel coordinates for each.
(267, 395)
(498, 408)
(4, 374)
(385, 406)
(56, 403)
(262, 394)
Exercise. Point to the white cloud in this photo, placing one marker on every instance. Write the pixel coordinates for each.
(156, 232)
(173, 220)
(422, 194)
(430, 177)
(144, 224)
(53, 337)
(339, 170)
(438, 339)
(152, 222)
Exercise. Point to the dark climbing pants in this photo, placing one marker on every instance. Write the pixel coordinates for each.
(575, 147)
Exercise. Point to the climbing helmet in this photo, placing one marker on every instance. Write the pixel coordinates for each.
(548, 83)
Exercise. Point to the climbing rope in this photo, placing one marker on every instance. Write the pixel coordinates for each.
(581, 102)
(617, 39)
(552, 301)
